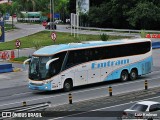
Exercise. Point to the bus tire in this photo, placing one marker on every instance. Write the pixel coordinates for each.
(124, 76)
(133, 74)
(67, 85)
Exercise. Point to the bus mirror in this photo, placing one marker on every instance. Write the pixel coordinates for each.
(24, 63)
(49, 62)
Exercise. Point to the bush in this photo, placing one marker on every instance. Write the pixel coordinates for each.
(143, 34)
(104, 37)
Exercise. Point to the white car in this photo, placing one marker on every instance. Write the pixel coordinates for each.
(148, 110)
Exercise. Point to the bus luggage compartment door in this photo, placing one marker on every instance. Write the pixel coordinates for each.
(81, 77)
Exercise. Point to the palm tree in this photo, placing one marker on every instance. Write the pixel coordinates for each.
(27, 4)
(14, 8)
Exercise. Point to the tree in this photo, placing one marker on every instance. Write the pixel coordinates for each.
(96, 2)
(14, 8)
(144, 15)
(61, 7)
(71, 6)
(3, 10)
(28, 5)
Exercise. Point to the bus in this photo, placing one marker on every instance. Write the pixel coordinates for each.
(65, 66)
(31, 17)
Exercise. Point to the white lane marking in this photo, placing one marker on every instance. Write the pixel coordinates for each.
(103, 108)
(52, 96)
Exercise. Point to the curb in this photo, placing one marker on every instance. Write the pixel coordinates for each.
(17, 70)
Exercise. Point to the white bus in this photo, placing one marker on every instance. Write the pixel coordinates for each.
(68, 65)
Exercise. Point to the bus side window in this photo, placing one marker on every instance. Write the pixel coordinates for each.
(70, 60)
(56, 66)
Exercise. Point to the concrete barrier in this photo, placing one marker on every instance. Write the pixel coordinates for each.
(6, 68)
(155, 45)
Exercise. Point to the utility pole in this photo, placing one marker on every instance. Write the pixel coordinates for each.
(52, 14)
(52, 10)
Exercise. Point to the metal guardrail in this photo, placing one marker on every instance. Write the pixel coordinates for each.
(26, 108)
(6, 67)
(118, 30)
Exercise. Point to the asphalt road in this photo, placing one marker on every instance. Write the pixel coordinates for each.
(14, 89)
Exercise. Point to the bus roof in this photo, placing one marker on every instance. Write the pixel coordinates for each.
(52, 49)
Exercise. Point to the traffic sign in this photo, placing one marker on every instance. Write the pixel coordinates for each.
(18, 43)
(53, 36)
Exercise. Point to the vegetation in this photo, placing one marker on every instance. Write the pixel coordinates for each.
(143, 34)
(43, 39)
(104, 37)
(131, 14)
(9, 27)
(20, 59)
(60, 6)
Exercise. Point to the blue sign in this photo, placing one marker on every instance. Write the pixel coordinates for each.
(57, 15)
(2, 31)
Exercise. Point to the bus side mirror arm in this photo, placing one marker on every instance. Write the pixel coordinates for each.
(49, 62)
(24, 63)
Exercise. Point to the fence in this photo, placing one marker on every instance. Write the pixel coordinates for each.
(118, 30)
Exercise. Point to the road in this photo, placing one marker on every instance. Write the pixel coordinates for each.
(23, 29)
(110, 112)
(14, 89)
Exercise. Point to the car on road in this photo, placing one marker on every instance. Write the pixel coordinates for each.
(149, 110)
(51, 25)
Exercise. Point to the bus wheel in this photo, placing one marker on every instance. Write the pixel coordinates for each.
(133, 74)
(124, 76)
(67, 86)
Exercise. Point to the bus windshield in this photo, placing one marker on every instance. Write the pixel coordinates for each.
(37, 68)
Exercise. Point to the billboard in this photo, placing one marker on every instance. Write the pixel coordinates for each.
(1, 31)
(82, 6)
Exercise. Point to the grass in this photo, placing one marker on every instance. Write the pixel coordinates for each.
(9, 27)
(20, 59)
(43, 39)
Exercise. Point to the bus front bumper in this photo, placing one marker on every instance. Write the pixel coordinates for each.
(42, 87)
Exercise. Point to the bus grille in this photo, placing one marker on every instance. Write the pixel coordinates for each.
(36, 84)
